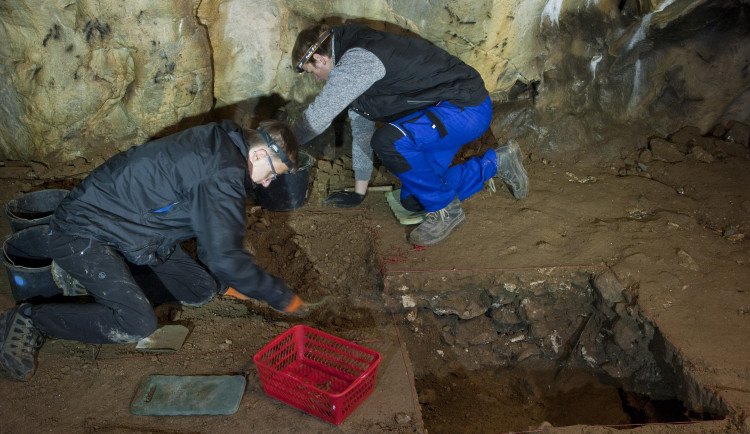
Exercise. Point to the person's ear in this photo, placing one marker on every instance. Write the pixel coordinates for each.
(319, 58)
(256, 156)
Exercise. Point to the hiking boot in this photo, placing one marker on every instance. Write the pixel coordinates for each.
(19, 343)
(437, 225)
(510, 168)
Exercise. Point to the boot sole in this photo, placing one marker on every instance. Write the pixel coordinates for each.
(12, 348)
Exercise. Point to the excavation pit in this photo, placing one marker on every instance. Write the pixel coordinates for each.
(499, 351)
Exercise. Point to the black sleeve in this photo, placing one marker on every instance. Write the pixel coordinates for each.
(218, 217)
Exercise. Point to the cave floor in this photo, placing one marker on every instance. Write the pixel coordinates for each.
(673, 238)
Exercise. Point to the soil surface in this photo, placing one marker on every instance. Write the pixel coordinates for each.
(674, 234)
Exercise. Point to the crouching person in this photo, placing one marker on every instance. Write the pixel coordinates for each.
(134, 211)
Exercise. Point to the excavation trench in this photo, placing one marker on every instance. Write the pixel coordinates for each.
(495, 351)
(521, 350)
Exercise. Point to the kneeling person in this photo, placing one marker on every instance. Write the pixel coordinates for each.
(134, 211)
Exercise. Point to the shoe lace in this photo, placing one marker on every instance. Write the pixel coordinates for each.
(434, 215)
(491, 185)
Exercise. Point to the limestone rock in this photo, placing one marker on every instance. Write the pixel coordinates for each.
(477, 331)
(738, 133)
(90, 78)
(466, 304)
(687, 261)
(506, 318)
(685, 135)
(663, 150)
(610, 290)
(90, 75)
(700, 154)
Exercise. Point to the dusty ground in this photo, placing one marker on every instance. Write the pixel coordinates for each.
(674, 235)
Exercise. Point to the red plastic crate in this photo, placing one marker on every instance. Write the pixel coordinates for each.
(318, 373)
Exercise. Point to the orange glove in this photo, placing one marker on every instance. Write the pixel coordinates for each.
(233, 293)
(295, 304)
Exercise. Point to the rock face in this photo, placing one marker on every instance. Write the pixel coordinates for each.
(86, 77)
(571, 79)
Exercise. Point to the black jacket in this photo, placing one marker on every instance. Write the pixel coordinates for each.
(191, 184)
(418, 74)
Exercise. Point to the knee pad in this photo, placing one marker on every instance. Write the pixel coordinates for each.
(70, 285)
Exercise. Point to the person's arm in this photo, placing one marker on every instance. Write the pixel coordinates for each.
(362, 131)
(357, 70)
(218, 219)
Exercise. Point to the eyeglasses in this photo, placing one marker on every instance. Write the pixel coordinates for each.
(270, 163)
(321, 38)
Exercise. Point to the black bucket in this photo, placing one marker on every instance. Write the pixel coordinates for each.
(288, 191)
(27, 260)
(33, 209)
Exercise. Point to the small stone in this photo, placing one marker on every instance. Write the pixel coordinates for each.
(427, 396)
(735, 237)
(687, 261)
(527, 350)
(324, 165)
(738, 133)
(663, 150)
(685, 135)
(545, 425)
(644, 156)
(402, 418)
(701, 155)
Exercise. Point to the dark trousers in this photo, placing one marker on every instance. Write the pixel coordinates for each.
(121, 310)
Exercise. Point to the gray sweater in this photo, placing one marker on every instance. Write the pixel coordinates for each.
(357, 70)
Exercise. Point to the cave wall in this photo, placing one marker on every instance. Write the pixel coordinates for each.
(569, 77)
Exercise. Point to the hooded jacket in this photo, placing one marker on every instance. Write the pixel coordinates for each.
(191, 184)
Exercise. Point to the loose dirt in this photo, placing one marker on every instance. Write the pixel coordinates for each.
(672, 233)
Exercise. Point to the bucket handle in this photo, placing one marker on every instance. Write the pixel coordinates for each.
(10, 213)
(5, 253)
(16, 216)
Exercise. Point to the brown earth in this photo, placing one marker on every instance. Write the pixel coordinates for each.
(673, 234)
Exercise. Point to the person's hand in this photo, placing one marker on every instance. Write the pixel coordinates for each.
(297, 307)
(344, 199)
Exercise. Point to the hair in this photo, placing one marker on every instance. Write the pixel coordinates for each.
(306, 39)
(282, 134)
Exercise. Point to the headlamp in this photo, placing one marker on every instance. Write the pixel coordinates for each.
(277, 150)
(323, 36)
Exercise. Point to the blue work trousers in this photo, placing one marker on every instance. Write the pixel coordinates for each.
(419, 149)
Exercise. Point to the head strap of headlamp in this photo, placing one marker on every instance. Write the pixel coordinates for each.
(323, 36)
(277, 149)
